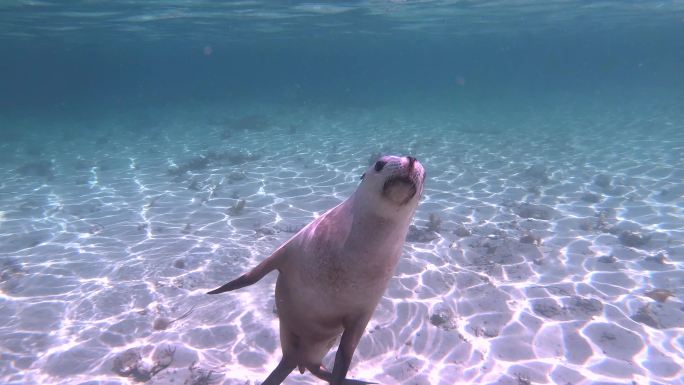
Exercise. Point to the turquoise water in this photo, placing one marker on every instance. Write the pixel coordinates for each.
(151, 151)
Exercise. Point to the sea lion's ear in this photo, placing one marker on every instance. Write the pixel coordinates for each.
(363, 175)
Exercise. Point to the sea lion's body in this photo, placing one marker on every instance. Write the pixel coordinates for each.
(335, 270)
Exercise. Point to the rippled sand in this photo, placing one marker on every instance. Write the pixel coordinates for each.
(548, 252)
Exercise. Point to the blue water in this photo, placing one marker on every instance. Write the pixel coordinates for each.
(152, 150)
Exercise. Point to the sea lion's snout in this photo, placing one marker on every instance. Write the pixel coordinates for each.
(405, 180)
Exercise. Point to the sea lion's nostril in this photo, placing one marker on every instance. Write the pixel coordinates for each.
(411, 160)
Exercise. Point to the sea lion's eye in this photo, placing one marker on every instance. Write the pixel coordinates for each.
(379, 165)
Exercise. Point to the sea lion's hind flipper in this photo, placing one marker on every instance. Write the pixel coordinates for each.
(325, 375)
(266, 266)
(284, 368)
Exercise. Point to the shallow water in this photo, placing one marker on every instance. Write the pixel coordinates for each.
(140, 169)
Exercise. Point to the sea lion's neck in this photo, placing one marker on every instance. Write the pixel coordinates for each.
(366, 213)
(373, 231)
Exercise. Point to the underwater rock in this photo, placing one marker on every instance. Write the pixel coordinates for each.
(163, 323)
(646, 316)
(84, 164)
(289, 228)
(236, 176)
(547, 309)
(617, 191)
(443, 318)
(605, 217)
(232, 157)
(199, 376)
(237, 208)
(11, 274)
(532, 211)
(573, 308)
(40, 168)
(194, 185)
(658, 259)
(265, 230)
(603, 181)
(462, 231)
(607, 259)
(420, 235)
(188, 282)
(586, 224)
(531, 239)
(434, 223)
(102, 140)
(16, 242)
(9, 268)
(194, 164)
(582, 308)
(670, 193)
(659, 295)
(538, 172)
(634, 239)
(590, 197)
(130, 364)
(252, 122)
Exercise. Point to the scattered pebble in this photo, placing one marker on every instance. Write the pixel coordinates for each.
(40, 168)
(646, 316)
(238, 207)
(539, 172)
(163, 323)
(420, 235)
(659, 295)
(130, 364)
(591, 197)
(658, 259)
(265, 230)
(237, 176)
(633, 239)
(532, 211)
(434, 223)
(530, 238)
(462, 231)
(197, 163)
(607, 259)
(443, 318)
(603, 180)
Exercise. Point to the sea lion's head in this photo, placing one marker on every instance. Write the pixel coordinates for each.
(393, 185)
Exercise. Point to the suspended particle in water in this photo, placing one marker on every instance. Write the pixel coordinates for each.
(207, 50)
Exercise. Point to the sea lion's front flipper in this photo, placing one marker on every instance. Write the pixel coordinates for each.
(266, 266)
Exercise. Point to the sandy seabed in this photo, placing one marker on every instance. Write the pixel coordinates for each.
(548, 252)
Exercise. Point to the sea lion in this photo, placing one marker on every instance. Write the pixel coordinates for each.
(334, 271)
